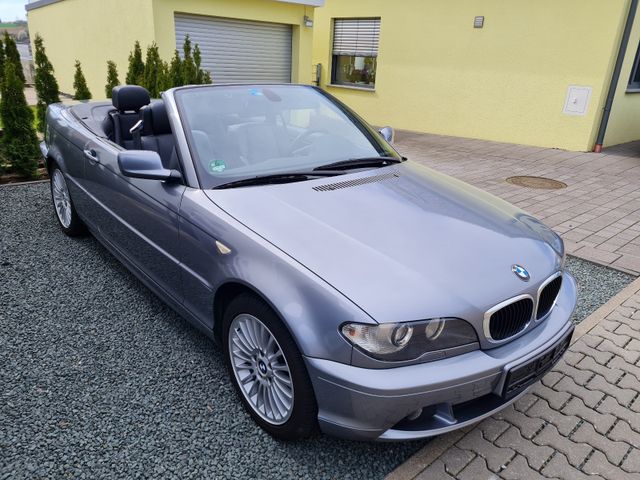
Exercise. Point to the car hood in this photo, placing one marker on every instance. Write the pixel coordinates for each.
(402, 242)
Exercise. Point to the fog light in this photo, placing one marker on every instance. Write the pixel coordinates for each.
(414, 415)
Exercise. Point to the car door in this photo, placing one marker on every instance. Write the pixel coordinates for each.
(138, 217)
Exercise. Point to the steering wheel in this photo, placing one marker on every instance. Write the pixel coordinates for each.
(301, 142)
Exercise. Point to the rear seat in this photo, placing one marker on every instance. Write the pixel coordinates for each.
(157, 135)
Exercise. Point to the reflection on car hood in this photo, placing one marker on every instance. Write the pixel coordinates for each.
(403, 242)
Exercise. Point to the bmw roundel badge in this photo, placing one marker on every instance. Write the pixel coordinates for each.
(521, 272)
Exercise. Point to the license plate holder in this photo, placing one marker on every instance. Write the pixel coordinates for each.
(522, 376)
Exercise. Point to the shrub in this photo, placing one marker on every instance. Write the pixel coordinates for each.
(197, 60)
(189, 70)
(175, 70)
(202, 76)
(156, 75)
(19, 142)
(46, 84)
(135, 73)
(112, 78)
(165, 80)
(2, 61)
(80, 84)
(12, 55)
(153, 71)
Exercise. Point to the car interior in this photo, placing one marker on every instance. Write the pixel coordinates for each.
(115, 121)
(250, 130)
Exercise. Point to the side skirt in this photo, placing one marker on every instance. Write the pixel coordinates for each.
(161, 293)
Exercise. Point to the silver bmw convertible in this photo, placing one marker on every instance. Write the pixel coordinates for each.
(351, 289)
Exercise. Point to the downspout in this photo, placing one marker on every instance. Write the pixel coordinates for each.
(633, 7)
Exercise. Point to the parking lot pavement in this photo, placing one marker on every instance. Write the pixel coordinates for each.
(99, 379)
(598, 214)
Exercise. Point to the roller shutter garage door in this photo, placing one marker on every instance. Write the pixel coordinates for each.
(239, 51)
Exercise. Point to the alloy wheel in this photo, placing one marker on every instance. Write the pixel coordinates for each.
(61, 198)
(261, 369)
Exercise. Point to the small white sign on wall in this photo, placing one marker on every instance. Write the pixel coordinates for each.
(577, 102)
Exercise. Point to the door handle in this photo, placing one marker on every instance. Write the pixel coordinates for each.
(91, 155)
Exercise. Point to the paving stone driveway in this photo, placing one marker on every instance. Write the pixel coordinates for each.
(598, 214)
(583, 419)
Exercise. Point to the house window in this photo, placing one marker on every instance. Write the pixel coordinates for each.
(634, 81)
(355, 51)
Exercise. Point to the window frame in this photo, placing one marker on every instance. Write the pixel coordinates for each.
(634, 86)
(334, 57)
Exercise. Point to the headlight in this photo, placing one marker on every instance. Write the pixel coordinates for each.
(397, 342)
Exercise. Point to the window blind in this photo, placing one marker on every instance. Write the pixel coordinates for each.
(356, 36)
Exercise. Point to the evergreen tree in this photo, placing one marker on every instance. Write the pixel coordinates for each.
(80, 84)
(189, 71)
(46, 84)
(112, 78)
(175, 70)
(2, 60)
(202, 76)
(19, 142)
(135, 73)
(164, 82)
(12, 55)
(197, 60)
(153, 71)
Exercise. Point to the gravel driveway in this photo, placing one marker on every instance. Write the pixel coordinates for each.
(99, 379)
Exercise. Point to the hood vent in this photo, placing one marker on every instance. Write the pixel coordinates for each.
(358, 181)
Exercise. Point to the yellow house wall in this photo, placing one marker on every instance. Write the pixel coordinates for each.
(624, 122)
(260, 10)
(87, 30)
(505, 82)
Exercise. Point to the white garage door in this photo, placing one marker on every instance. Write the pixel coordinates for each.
(239, 51)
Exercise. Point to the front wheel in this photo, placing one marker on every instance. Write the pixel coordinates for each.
(65, 211)
(267, 369)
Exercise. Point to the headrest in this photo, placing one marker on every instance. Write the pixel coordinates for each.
(155, 119)
(129, 97)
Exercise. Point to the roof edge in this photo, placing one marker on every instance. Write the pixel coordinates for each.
(39, 4)
(43, 3)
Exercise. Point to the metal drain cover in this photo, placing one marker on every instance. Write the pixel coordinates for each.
(536, 182)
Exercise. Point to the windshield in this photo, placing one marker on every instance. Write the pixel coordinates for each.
(240, 132)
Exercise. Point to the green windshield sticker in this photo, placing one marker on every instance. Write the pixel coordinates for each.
(217, 166)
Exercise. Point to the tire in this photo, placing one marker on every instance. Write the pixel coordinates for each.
(300, 419)
(63, 208)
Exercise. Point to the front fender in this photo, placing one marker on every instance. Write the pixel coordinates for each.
(57, 124)
(311, 309)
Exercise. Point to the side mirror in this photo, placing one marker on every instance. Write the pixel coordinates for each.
(387, 133)
(145, 164)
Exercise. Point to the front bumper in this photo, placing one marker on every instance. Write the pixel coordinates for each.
(370, 404)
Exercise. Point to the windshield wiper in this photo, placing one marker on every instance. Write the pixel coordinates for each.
(274, 179)
(360, 163)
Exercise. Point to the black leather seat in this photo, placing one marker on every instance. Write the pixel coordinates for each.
(128, 100)
(157, 134)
